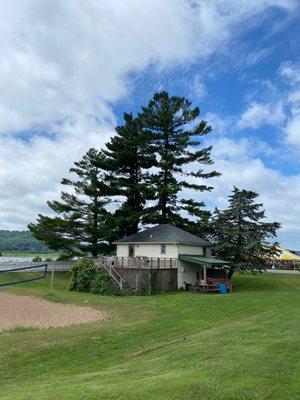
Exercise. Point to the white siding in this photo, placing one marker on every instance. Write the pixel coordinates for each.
(187, 272)
(153, 250)
(208, 251)
(148, 250)
(122, 250)
(188, 249)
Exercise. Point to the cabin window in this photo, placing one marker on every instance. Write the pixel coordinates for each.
(130, 250)
(162, 249)
(204, 252)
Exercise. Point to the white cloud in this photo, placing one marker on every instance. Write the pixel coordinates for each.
(221, 124)
(280, 193)
(198, 88)
(254, 57)
(294, 96)
(30, 172)
(282, 111)
(290, 71)
(292, 130)
(60, 58)
(258, 114)
(241, 165)
(63, 63)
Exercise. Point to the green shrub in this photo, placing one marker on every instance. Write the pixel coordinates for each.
(154, 288)
(64, 257)
(103, 283)
(144, 288)
(173, 281)
(87, 277)
(37, 259)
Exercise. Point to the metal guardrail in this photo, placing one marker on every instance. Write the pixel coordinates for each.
(32, 268)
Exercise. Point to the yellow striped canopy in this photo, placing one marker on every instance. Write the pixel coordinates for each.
(285, 255)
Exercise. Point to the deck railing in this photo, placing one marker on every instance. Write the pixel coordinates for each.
(141, 262)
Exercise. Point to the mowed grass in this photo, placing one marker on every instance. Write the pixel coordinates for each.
(243, 345)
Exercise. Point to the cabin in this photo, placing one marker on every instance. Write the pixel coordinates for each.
(167, 247)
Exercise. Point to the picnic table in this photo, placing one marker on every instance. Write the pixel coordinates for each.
(211, 285)
(202, 287)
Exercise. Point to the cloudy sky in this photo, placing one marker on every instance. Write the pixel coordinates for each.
(69, 69)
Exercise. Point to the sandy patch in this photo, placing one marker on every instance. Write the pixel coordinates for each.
(27, 311)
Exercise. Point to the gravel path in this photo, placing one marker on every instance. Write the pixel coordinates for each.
(27, 311)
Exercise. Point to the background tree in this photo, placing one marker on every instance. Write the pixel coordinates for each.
(20, 241)
(175, 130)
(82, 222)
(240, 233)
(128, 158)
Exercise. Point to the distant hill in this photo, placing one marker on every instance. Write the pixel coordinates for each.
(20, 241)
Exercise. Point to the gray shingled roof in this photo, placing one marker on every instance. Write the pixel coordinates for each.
(164, 233)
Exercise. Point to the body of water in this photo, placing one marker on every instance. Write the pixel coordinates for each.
(15, 259)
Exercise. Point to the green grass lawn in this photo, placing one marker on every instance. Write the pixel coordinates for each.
(243, 345)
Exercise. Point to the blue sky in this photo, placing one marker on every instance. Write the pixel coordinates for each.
(70, 70)
(226, 84)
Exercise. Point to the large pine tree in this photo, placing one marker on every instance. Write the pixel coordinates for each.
(128, 158)
(175, 131)
(82, 222)
(145, 169)
(241, 234)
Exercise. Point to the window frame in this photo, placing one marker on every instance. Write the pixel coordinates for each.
(163, 249)
(131, 250)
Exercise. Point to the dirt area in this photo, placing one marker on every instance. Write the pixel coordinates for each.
(27, 311)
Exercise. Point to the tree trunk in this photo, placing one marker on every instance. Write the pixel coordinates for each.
(94, 253)
(230, 273)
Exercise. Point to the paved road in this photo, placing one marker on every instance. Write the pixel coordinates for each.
(283, 271)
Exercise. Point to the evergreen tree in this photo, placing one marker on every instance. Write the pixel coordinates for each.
(128, 158)
(241, 234)
(82, 221)
(175, 133)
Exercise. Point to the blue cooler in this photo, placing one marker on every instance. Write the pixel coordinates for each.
(222, 288)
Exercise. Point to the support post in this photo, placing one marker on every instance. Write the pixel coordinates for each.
(51, 280)
(204, 274)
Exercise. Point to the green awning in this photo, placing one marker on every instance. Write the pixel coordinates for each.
(203, 260)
